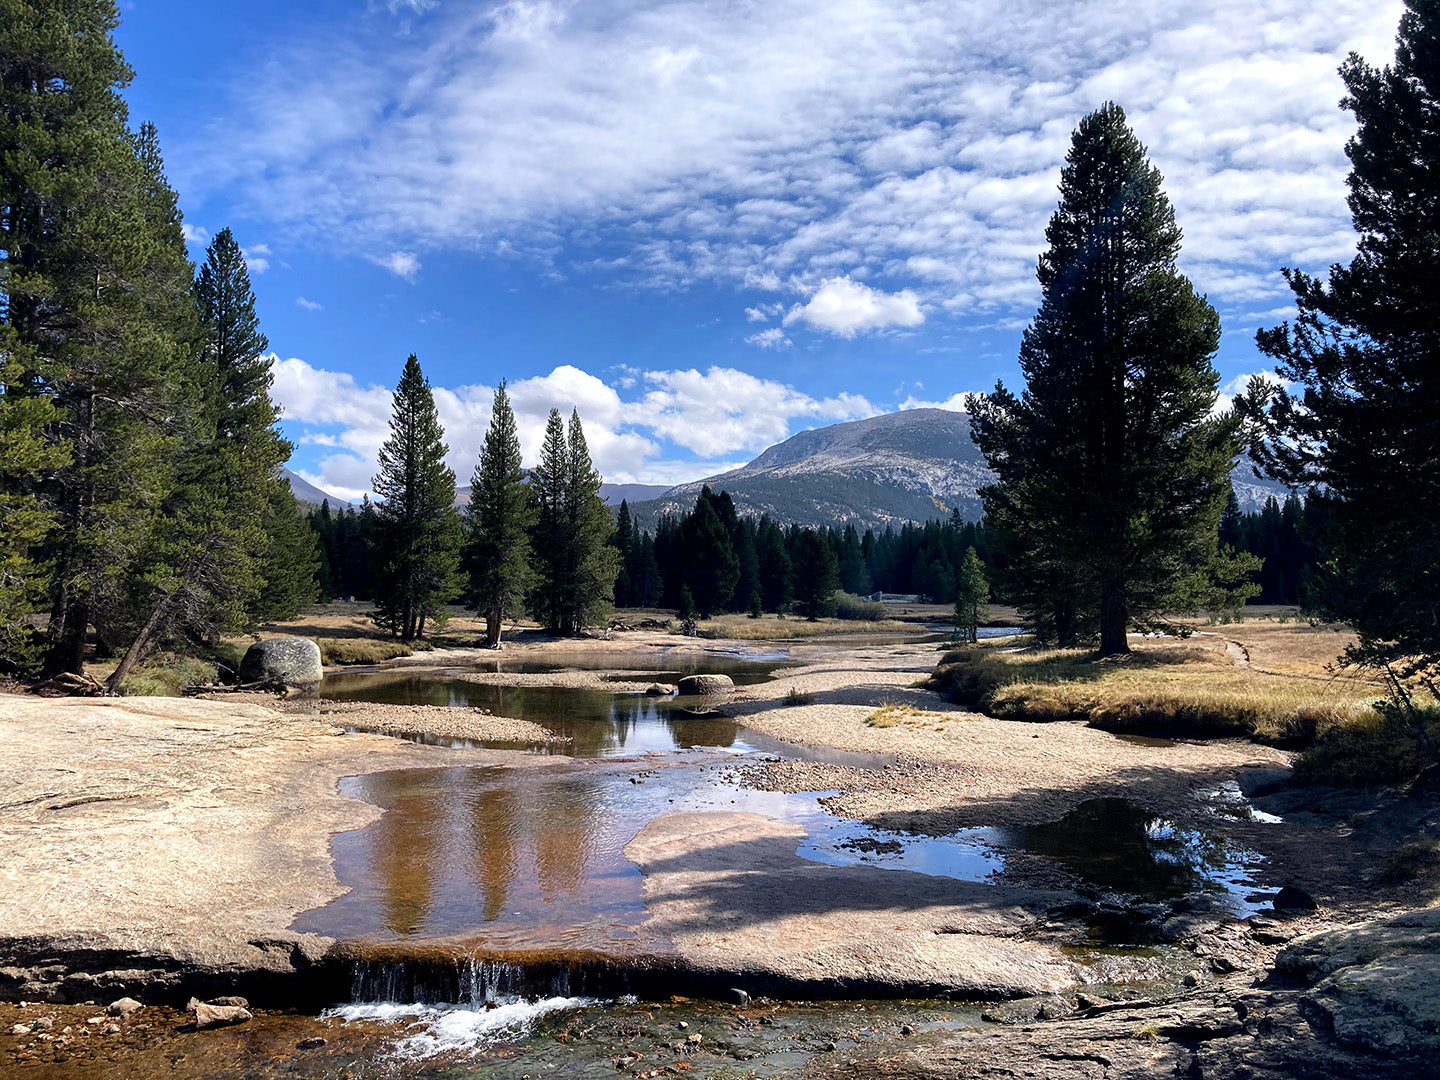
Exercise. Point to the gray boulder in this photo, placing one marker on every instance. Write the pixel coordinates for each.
(706, 685)
(291, 661)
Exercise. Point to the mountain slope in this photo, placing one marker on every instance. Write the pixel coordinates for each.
(307, 492)
(914, 465)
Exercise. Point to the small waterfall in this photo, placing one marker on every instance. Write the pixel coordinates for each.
(472, 981)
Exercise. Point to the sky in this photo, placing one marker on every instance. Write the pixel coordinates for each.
(710, 224)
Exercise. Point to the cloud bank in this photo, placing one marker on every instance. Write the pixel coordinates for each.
(799, 145)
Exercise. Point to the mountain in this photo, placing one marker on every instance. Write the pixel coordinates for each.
(307, 492)
(613, 494)
(914, 465)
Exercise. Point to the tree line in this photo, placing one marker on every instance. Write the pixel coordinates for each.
(139, 453)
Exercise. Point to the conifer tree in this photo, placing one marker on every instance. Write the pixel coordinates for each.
(1365, 351)
(972, 594)
(817, 575)
(595, 562)
(418, 533)
(497, 549)
(547, 495)
(712, 569)
(1111, 470)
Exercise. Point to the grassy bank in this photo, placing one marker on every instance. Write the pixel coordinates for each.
(1268, 682)
(775, 628)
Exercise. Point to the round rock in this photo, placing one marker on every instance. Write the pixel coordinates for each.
(706, 685)
(293, 661)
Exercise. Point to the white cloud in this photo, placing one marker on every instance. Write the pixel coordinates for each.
(400, 263)
(781, 145)
(194, 234)
(308, 305)
(763, 312)
(774, 338)
(688, 425)
(257, 258)
(955, 402)
(846, 307)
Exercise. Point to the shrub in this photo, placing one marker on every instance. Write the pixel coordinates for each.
(167, 675)
(795, 697)
(850, 606)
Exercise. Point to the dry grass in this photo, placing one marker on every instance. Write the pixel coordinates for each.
(352, 650)
(1189, 687)
(774, 628)
(167, 676)
(903, 714)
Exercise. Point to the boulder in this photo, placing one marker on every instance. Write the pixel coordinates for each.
(1290, 898)
(124, 1007)
(706, 685)
(209, 1016)
(291, 661)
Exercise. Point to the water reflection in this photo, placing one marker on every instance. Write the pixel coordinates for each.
(598, 723)
(1118, 844)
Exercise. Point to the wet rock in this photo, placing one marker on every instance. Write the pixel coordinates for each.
(232, 999)
(290, 661)
(1192, 978)
(312, 1044)
(1290, 898)
(706, 685)
(123, 1007)
(659, 690)
(906, 1029)
(209, 1016)
(736, 996)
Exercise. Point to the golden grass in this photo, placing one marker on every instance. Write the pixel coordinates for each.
(351, 650)
(774, 628)
(903, 714)
(1188, 687)
(167, 676)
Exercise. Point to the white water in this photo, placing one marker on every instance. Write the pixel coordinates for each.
(439, 1029)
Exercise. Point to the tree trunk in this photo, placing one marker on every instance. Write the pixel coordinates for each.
(141, 646)
(492, 628)
(1114, 620)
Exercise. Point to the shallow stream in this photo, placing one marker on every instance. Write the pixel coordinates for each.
(500, 860)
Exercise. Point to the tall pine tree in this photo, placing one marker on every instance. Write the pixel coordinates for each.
(1111, 470)
(1365, 351)
(497, 548)
(418, 533)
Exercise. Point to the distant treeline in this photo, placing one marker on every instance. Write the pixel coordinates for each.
(728, 561)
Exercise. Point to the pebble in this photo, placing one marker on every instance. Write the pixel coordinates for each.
(1192, 978)
(906, 1029)
(19, 1030)
(111, 1028)
(96, 1020)
(312, 1044)
(682, 1025)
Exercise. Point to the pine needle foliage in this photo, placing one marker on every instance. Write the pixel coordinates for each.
(497, 525)
(1363, 420)
(417, 529)
(1111, 469)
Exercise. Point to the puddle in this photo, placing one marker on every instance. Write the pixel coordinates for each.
(1119, 845)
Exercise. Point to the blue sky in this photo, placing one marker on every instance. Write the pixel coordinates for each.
(708, 224)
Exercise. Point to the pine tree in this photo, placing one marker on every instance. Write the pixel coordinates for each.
(576, 566)
(418, 532)
(817, 575)
(712, 569)
(972, 594)
(594, 561)
(1111, 471)
(548, 533)
(1365, 349)
(497, 549)
(776, 576)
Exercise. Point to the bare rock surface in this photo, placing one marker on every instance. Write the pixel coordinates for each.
(150, 841)
(730, 892)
